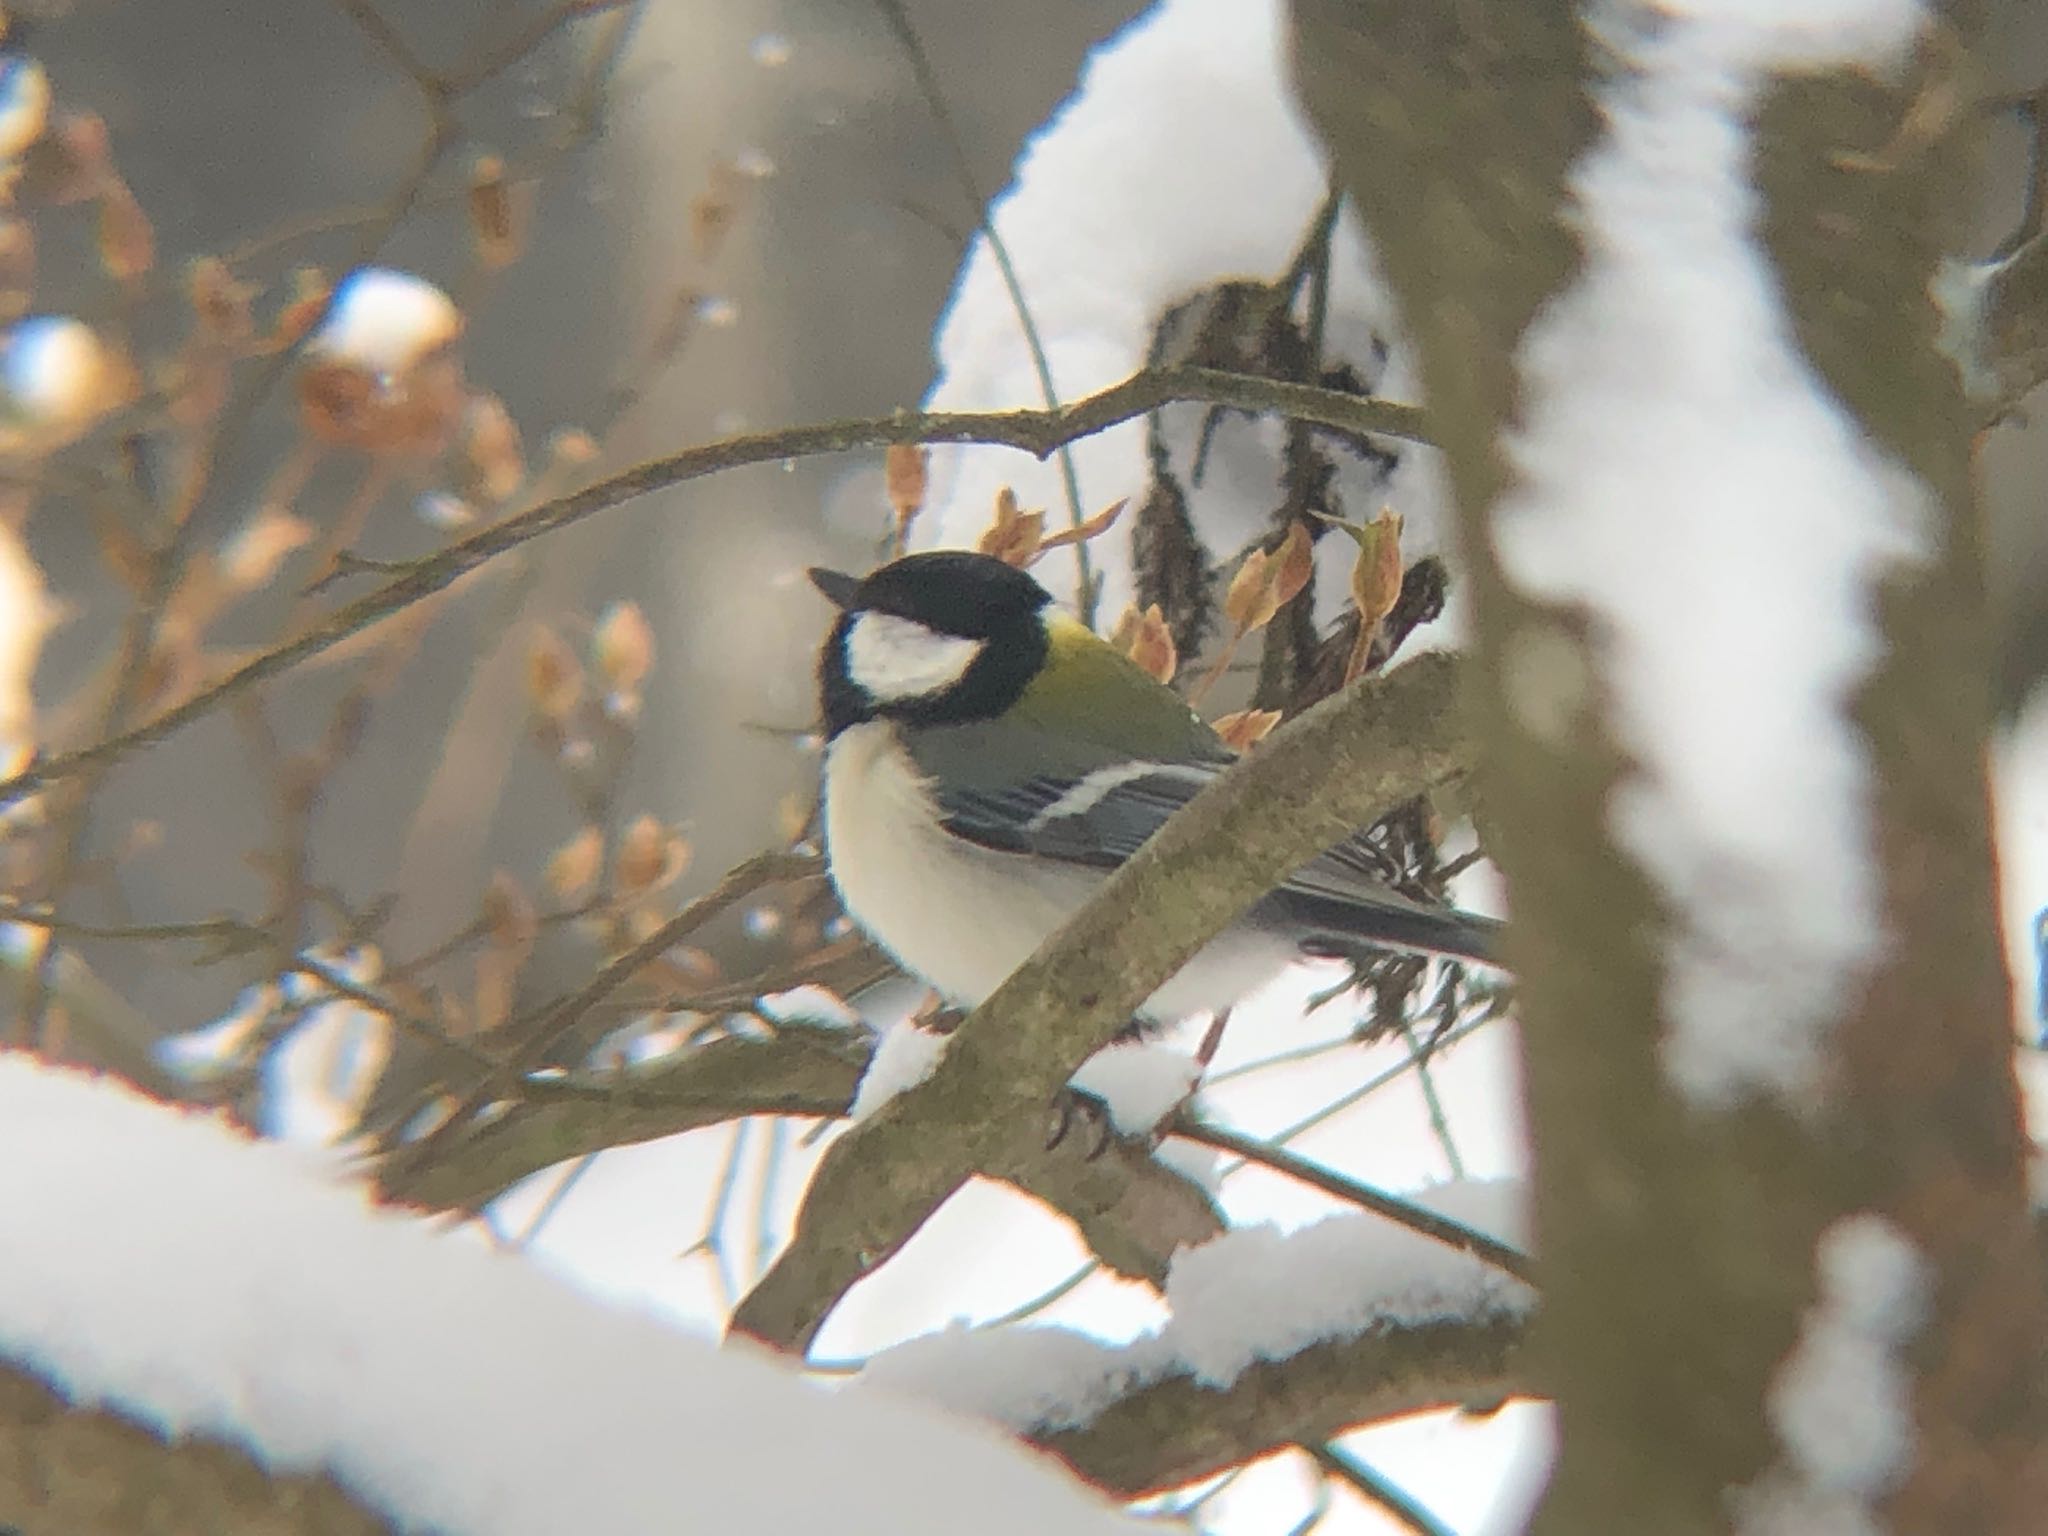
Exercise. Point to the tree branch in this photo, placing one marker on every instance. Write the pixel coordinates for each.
(1168, 1433)
(1132, 1210)
(1335, 768)
(95, 1472)
(1035, 432)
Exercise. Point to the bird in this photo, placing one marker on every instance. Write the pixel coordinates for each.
(989, 759)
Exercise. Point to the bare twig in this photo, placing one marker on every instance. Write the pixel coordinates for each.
(1417, 1218)
(928, 83)
(1377, 1490)
(1037, 432)
(534, 1037)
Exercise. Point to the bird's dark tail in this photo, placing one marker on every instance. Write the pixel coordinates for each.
(1334, 926)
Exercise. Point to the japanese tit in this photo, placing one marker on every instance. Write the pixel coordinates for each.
(989, 759)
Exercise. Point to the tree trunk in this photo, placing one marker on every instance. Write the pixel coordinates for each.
(1678, 1243)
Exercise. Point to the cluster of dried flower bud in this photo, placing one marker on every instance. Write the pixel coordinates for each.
(1018, 537)
(906, 475)
(1375, 580)
(1264, 584)
(1147, 639)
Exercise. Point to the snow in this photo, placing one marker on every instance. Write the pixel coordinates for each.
(808, 1004)
(1179, 163)
(1259, 1293)
(2020, 806)
(384, 322)
(57, 378)
(1250, 1295)
(1842, 1404)
(1140, 1083)
(1691, 482)
(162, 1264)
(24, 103)
(905, 1056)
(27, 613)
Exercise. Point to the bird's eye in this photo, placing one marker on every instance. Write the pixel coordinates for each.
(893, 658)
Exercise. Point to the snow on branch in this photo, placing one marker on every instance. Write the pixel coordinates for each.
(1273, 1337)
(161, 1265)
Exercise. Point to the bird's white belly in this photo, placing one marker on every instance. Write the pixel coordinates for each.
(963, 917)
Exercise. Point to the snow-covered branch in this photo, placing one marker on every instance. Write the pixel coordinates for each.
(1713, 470)
(201, 1285)
(1273, 1338)
(1177, 1430)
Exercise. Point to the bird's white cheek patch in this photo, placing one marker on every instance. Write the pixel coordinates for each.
(895, 658)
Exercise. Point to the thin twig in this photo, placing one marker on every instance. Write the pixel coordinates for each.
(1443, 1229)
(1377, 1490)
(534, 1038)
(928, 84)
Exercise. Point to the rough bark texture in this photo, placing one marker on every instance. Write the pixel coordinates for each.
(1678, 1245)
(1174, 1432)
(68, 1471)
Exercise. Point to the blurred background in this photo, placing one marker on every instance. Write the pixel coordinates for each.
(280, 127)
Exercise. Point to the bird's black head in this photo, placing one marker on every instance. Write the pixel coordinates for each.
(931, 639)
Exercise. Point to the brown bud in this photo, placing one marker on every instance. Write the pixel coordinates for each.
(554, 680)
(220, 304)
(1086, 529)
(623, 647)
(573, 866)
(251, 557)
(127, 241)
(1293, 564)
(1149, 643)
(507, 915)
(497, 213)
(1246, 602)
(1247, 727)
(1015, 535)
(1376, 577)
(650, 856)
(491, 455)
(906, 474)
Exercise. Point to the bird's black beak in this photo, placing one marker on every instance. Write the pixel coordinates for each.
(837, 586)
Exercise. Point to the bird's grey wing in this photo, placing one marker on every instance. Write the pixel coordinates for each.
(1098, 812)
(1097, 819)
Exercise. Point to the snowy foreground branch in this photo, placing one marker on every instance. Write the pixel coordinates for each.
(1714, 472)
(1273, 1339)
(1336, 768)
(240, 1314)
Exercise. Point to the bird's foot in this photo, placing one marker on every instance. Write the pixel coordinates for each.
(1077, 1110)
